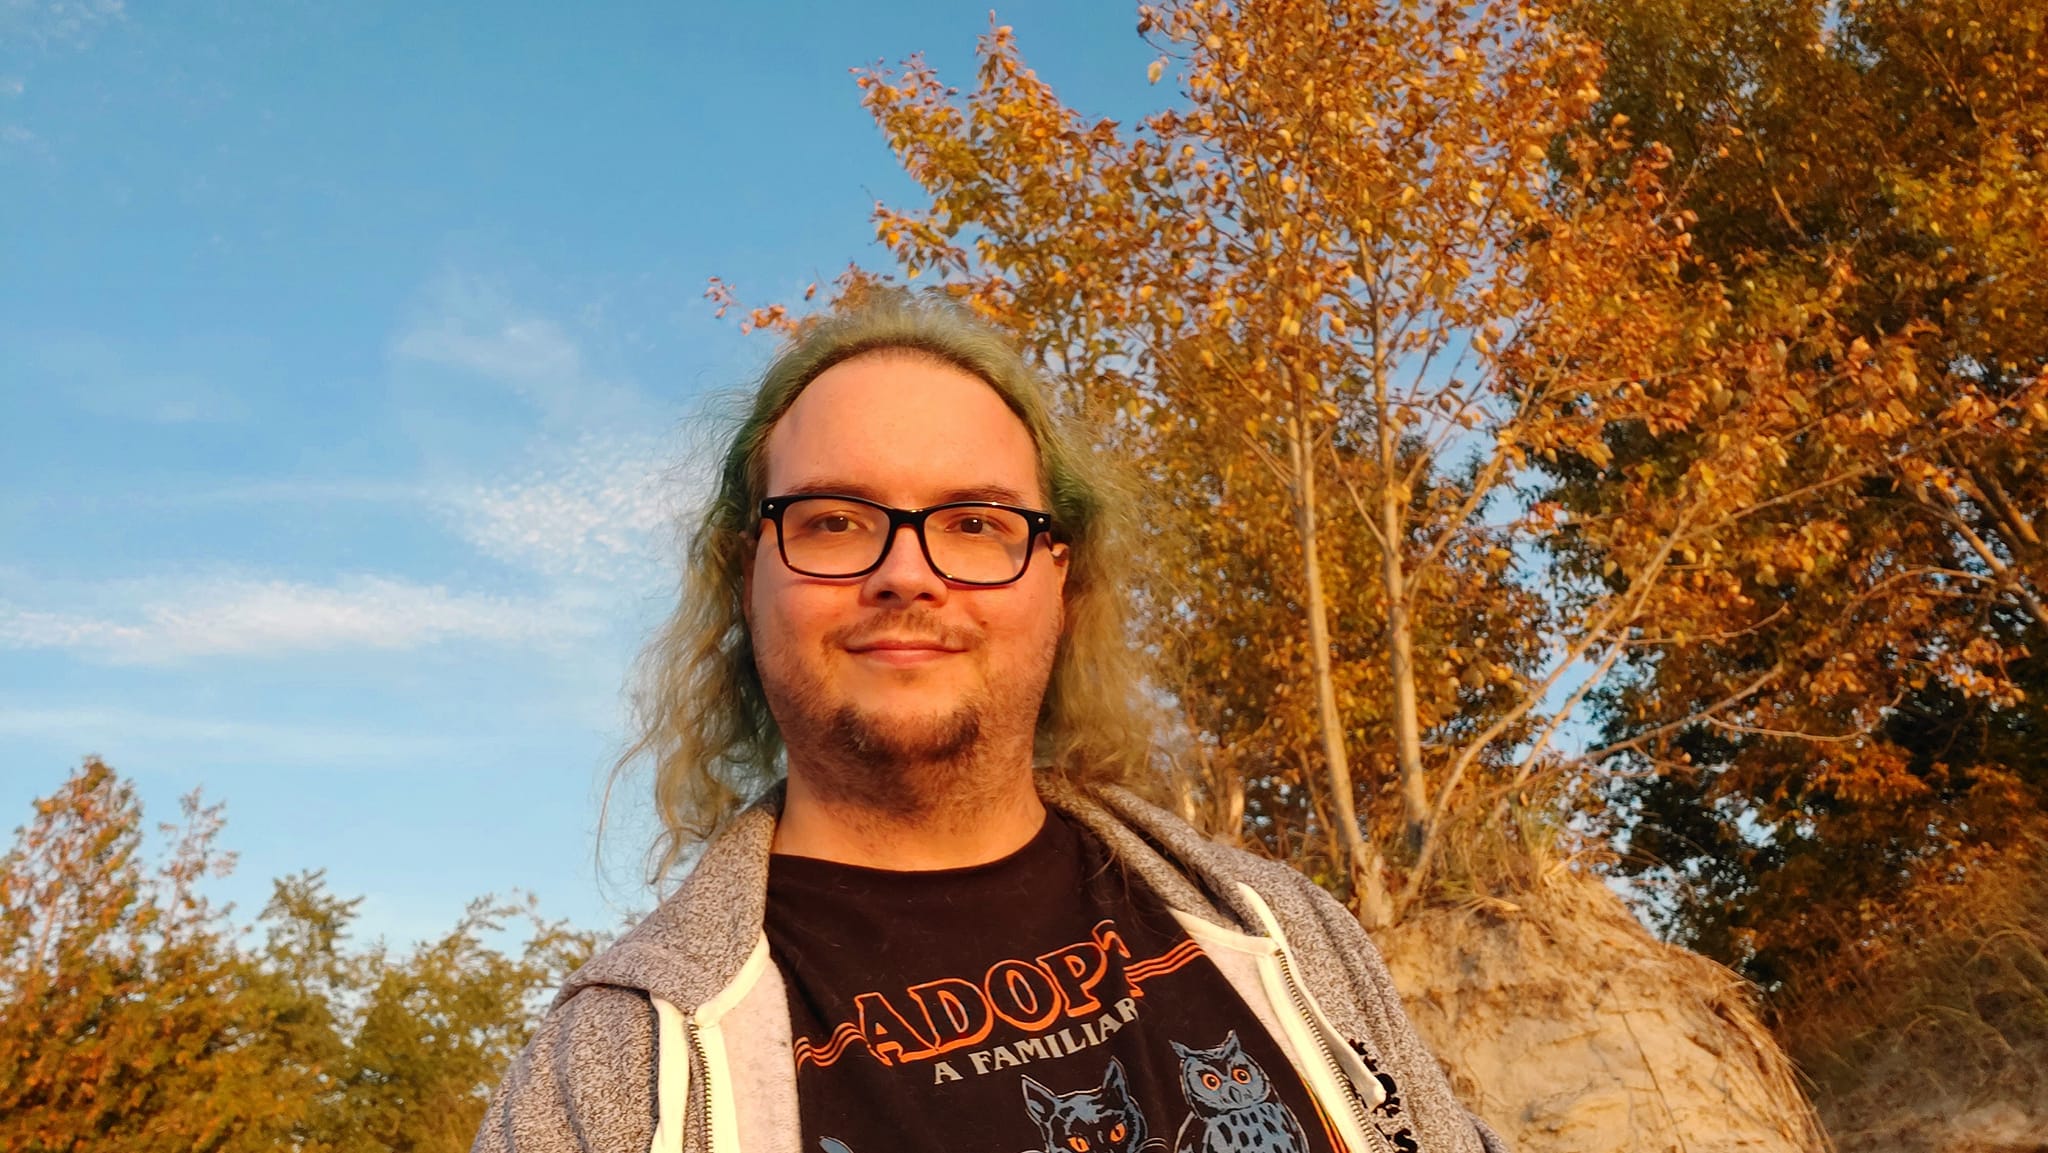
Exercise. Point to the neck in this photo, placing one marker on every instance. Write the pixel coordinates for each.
(993, 818)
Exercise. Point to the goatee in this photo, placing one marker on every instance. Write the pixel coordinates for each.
(900, 770)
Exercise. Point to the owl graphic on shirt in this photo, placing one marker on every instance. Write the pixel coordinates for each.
(1232, 1106)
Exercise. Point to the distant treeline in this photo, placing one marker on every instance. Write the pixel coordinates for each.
(135, 1016)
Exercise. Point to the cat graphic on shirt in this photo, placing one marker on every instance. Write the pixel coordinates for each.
(1100, 1120)
(1233, 1108)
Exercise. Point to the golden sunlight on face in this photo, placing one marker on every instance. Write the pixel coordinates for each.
(900, 663)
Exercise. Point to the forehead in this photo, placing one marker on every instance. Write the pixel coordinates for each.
(903, 429)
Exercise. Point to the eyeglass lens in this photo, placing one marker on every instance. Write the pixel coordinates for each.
(829, 536)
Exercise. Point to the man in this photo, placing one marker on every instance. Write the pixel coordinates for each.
(894, 718)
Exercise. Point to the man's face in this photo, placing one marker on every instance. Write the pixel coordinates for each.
(877, 674)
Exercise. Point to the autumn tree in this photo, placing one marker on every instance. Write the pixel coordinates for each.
(128, 1018)
(133, 1015)
(431, 1031)
(1890, 156)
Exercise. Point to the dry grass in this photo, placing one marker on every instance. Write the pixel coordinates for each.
(1940, 1015)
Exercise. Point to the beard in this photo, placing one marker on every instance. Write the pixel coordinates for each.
(902, 766)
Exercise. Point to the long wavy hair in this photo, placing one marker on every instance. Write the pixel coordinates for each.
(699, 714)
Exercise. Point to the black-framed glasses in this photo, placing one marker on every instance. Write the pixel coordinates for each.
(968, 542)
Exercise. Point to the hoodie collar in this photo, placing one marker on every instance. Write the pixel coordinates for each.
(695, 942)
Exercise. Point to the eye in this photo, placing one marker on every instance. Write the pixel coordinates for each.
(1078, 1144)
(1117, 1134)
(1212, 1081)
(825, 522)
(1241, 1075)
(971, 525)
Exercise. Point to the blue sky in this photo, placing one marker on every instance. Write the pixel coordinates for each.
(353, 367)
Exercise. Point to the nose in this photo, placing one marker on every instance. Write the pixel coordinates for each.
(905, 576)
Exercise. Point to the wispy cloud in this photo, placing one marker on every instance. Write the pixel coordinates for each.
(309, 492)
(597, 509)
(592, 491)
(517, 349)
(472, 325)
(149, 737)
(241, 617)
(48, 22)
(107, 380)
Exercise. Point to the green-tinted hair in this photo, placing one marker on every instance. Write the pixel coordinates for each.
(699, 711)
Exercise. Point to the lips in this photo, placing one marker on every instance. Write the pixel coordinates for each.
(908, 638)
(903, 646)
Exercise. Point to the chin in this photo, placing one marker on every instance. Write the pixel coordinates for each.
(888, 738)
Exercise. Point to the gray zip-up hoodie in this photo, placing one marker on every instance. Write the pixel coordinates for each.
(676, 1039)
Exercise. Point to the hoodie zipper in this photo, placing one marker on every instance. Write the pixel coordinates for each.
(1372, 1133)
(695, 1038)
(1373, 1136)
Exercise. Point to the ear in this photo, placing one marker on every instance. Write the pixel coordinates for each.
(1230, 1043)
(1038, 1101)
(1179, 1050)
(1113, 1078)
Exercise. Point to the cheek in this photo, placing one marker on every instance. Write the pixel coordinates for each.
(1041, 614)
(1027, 627)
(779, 614)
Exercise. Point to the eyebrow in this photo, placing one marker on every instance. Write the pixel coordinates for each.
(993, 493)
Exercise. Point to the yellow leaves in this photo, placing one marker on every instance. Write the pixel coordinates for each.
(1153, 72)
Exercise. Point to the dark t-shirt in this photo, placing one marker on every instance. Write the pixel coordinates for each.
(1045, 1001)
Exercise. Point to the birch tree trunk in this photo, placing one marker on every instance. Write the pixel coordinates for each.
(1393, 500)
(1367, 874)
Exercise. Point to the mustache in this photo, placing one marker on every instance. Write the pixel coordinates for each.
(916, 627)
